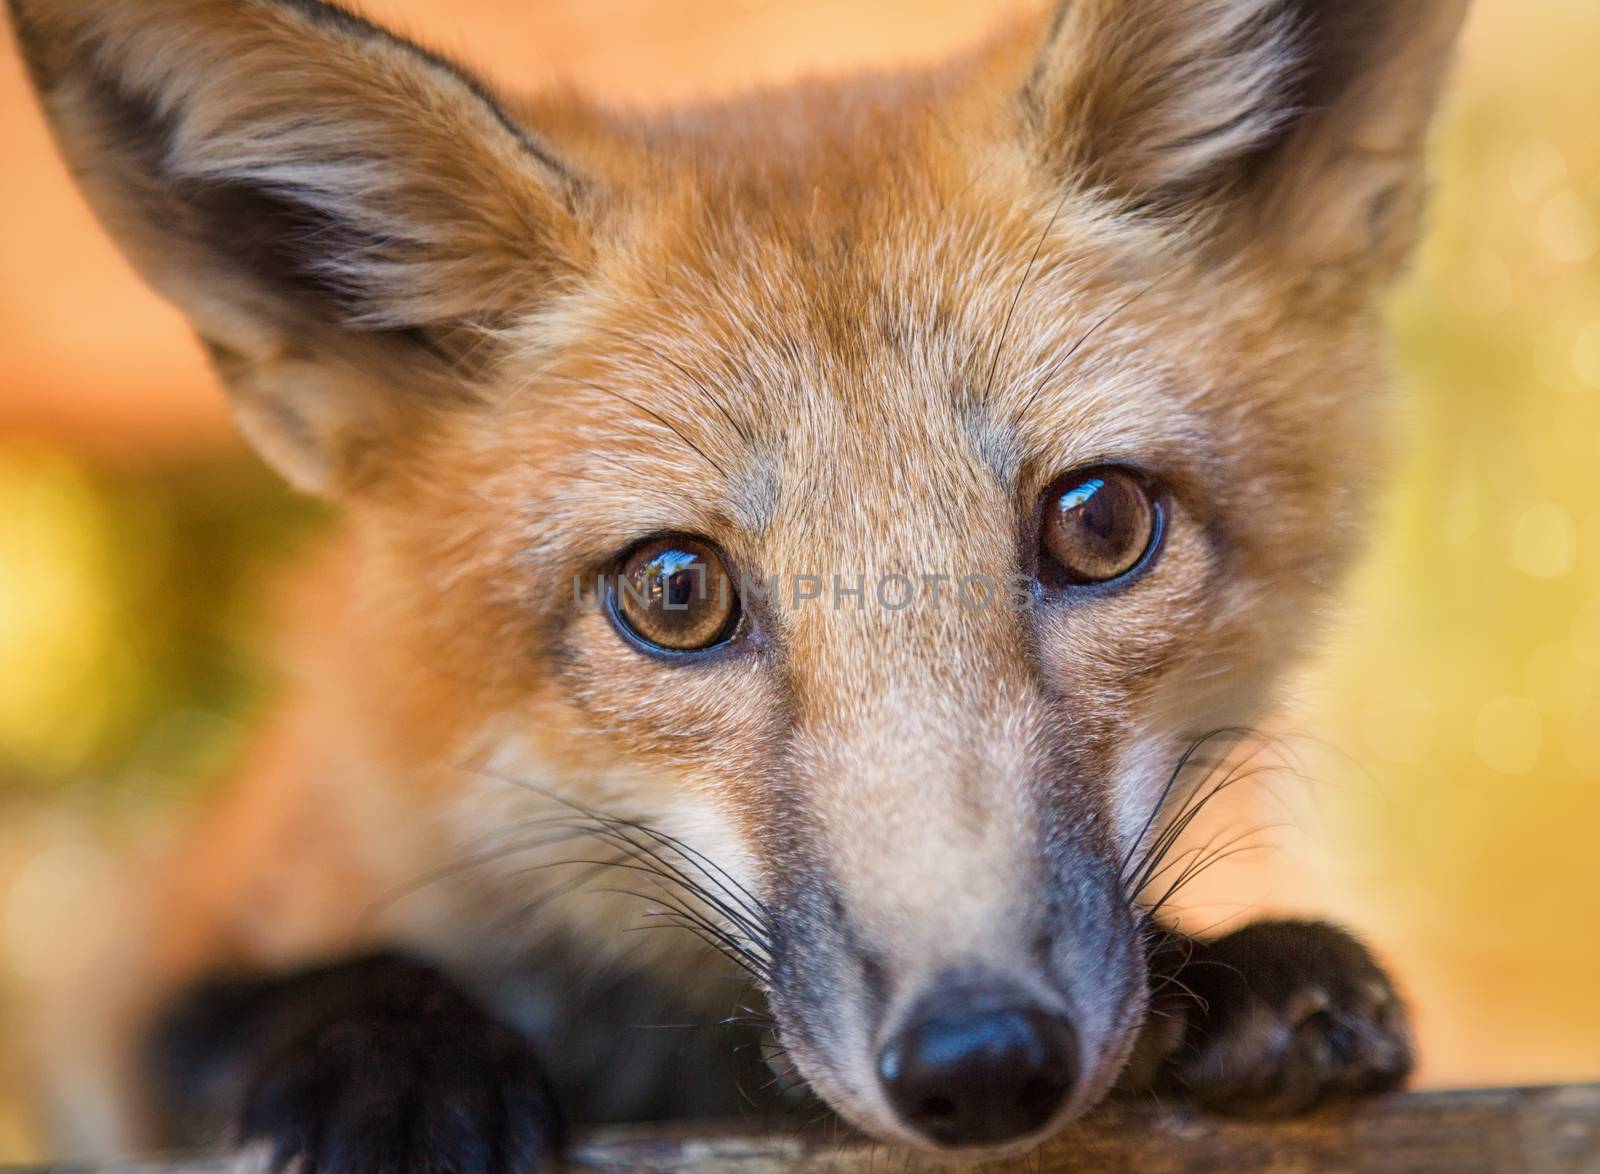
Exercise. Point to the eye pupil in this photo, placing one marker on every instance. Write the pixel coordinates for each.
(675, 594)
(1097, 526)
(679, 589)
(1097, 513)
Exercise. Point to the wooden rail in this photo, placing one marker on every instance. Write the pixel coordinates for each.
(1553, 1130)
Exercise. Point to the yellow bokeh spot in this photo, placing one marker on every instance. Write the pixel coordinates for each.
(1552, 673)
(1586, 354)
(1509, 735)
(1537, 166)
(1544, 541)
(55, 614)
(1567, 229)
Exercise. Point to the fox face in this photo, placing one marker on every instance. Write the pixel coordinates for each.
(876, 486)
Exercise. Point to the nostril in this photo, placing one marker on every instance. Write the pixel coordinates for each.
(963, 1071)
(1040, 1097)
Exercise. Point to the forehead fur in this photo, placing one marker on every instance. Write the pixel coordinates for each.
(810, 319)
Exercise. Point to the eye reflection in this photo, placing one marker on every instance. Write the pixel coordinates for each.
(1097, 526)
(676, 594)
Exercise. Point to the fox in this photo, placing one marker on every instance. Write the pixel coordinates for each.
(845, 527)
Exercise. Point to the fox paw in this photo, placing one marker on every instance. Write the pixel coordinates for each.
(1287, 1015)
(380, 1065)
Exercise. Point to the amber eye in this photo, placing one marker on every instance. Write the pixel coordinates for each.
(675, 594)
(1098, 525)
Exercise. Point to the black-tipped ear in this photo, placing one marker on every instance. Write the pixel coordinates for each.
(339, 212)
(1147, 101)
(1304, 117)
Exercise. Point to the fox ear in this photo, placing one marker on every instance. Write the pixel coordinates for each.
(1303, 120)
(340, 213)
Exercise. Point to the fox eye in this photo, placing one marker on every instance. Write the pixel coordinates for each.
(1099, 525)
(674, 594)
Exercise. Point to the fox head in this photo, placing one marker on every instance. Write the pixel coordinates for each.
(874, 484)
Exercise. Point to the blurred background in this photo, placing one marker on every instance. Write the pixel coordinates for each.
(1451, 799)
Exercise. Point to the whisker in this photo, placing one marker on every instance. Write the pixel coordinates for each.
(388, 900)
(654, 415)
(1115, 311)
(736, 902)
(756, 936)
(713, 872)
(1022, 285)
(1209, 858)
(755, 918)
(666, 899)
(1189, 757)
(1146, 863)
(684, 884)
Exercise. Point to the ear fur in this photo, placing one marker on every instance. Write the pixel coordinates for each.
(1298, 120)
(338, 211)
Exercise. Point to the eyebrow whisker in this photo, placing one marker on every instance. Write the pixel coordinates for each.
(654, 415)
(1027, 274)
(1115, 311)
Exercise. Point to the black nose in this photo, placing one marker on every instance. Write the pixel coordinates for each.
(971, 1068)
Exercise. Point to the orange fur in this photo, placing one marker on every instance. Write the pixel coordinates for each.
(848, 327)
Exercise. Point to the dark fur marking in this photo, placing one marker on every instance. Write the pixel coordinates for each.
(1278, 1017)
(342, 20)
(343, 1051)
(28, 41)
(287, 246)
(374, 1064)
(256, 229)
(619, 1043)
(1338, 41)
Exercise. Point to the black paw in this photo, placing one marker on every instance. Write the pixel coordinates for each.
(1289, 1014)
(378, 1066)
